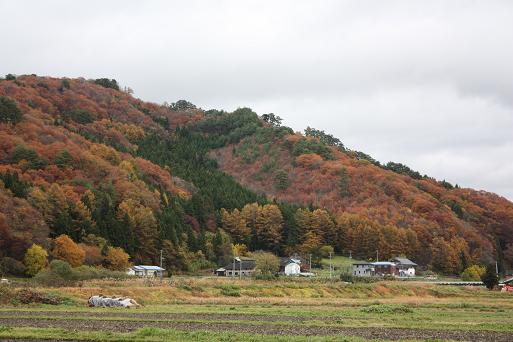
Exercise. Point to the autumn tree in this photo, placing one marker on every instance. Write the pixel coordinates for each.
(36, 259)
(117, 259)
(144, 225)
(67, 250)
(240, 249)
(444, 258)
(234, 223)
(269, 226)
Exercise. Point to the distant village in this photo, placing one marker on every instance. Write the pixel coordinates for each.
(294, 266)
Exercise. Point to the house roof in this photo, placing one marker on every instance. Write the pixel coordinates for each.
(362, 263)
(403, 261)
(241, 264)
(147, 268)
(383, 263)
(285, 261)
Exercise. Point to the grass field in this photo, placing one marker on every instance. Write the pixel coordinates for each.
(216, 309)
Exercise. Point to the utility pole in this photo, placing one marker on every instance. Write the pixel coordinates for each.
(496, 267)
(377, 255)
(233, 268)
(350, 255)
(330, 265)
(240, 268)
(310, 262)
(161, 265)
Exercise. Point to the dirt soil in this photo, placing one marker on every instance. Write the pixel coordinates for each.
(127, 326)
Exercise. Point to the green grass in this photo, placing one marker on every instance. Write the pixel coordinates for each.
(153, 334)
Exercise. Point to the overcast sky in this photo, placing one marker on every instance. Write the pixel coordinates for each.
(425, 83)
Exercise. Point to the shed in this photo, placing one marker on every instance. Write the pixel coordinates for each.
(146, 271)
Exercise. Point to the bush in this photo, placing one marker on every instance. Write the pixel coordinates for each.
(12, 267)
(9, 111)
(229, 290)
(61, 268)
(387, 309)
(473, 273)
(61, 273)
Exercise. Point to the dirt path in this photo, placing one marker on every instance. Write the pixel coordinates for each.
(369, 333)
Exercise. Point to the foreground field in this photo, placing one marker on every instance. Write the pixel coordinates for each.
(225, 310)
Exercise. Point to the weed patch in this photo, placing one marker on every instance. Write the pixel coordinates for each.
(387, 309)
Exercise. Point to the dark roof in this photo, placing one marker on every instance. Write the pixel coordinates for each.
(244, 264)
(285, 261)
(403, 261)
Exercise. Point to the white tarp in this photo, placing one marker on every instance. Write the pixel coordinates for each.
(112, 302)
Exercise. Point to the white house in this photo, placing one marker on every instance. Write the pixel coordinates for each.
(406, 266)
(146, 271)
(290, 266)
(363, 269)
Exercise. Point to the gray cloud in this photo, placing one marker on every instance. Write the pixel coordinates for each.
(429, 84)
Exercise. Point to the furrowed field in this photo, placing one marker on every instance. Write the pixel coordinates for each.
(223, 309)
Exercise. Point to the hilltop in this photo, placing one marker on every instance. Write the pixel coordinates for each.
(82, 158)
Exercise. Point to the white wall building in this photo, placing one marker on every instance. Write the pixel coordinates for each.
(363, 269)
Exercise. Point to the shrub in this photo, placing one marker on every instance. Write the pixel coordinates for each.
(229, 290)
(473, 273)
(61, 269)
(387, 309)
(12, 266)
(9, 111)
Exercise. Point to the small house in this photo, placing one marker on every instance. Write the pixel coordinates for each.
(146, 271)
(290, 266)
(238, 267)
(385, 268)
(363, 269)
(406, 266)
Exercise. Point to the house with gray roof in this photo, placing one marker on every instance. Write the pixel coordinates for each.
(405, 266)
(146, 271)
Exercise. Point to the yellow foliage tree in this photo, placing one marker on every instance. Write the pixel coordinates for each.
(36, 259)
(117, 259)
(67, 250)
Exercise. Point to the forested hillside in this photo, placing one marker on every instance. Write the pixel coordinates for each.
(82, 158)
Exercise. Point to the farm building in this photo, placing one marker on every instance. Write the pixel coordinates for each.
(363, 269)
(406, 266)
(239, 266)
(290, 266)
(146, 271)
(384, 268)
